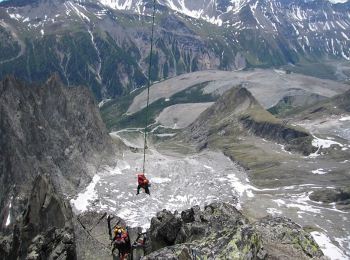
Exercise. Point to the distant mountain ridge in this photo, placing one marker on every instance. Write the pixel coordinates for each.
(213, 11)
(105, 44)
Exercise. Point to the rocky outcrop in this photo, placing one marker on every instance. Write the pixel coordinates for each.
(340, 196)
(237, 113)
(220, 231)
(284, 239)
(45, 231)
(48, 129)
(294, 139)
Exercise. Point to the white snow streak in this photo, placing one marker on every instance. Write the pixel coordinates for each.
(83, 199)
(8, 220)
(327, 247)
(319, 171)
(344, 118)
(318, 142)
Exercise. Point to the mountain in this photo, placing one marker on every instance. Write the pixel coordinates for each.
(237, 113)
(105, 44)
(47, 129)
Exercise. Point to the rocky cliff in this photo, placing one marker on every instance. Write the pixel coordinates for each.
(45, 231)
(48, 129)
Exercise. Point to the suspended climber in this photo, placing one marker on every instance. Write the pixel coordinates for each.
(143, 183)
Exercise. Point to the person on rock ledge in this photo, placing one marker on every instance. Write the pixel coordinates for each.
(121, 241)
(143, 183)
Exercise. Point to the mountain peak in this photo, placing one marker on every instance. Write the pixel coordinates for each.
(234, 102)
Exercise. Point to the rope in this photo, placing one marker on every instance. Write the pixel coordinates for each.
(98, 222)
(89, 233)
(148, 87)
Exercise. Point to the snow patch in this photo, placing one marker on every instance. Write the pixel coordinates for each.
(301, 202)
(240, 187)
(99, 60)
(8, 220)
(345, 36)
(160, 180)
(279, 202)
(318, 142)
(208, 167)
(319, 171)
(83, 199)
(15, 16)
(344, 118)
(327, 247)
(81, 15)
(112, 171)
(103, 102)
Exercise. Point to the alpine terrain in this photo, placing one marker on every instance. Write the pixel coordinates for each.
(105, 44)
(174, 129)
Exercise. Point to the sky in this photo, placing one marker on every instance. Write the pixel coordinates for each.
(337, 1)
(332, 1)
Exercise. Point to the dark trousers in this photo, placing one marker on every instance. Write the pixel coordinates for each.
(144, 187)
(123, 249)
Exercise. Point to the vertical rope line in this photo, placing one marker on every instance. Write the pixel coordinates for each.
(148, 87)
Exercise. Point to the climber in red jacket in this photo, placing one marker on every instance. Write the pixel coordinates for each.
(143, 183)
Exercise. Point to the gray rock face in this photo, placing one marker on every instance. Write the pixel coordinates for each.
(284, 239)
(47, 129)
(220, 231)
(92, 238)
(166, 230)
(293, 138)
(45, 230)
(339, 196)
